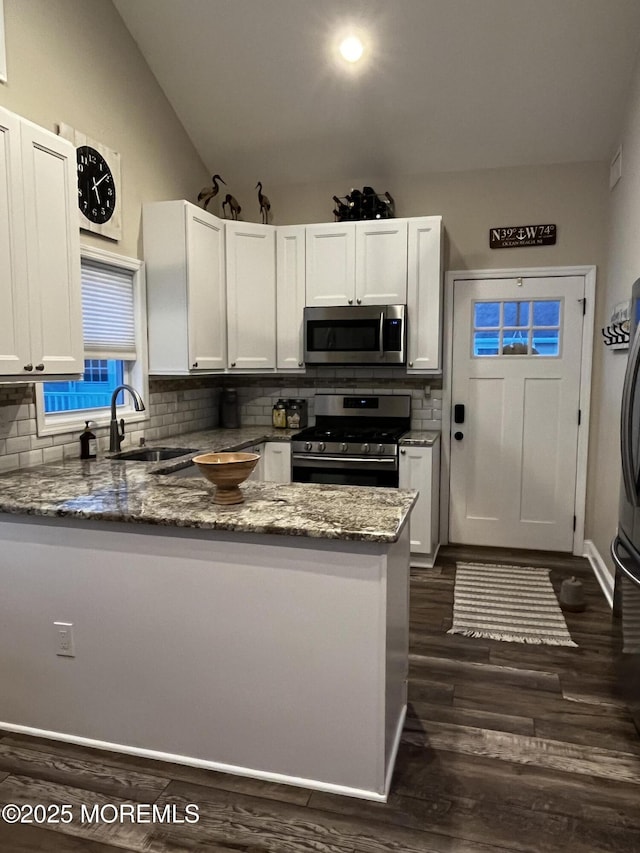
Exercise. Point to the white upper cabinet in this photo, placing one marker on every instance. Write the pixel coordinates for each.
(381, 262)
(290, 296)
(357, 263)
(251, 296)
(185, 270)
(40, 290)
(331, 264)
(424, 295)
(15, 344)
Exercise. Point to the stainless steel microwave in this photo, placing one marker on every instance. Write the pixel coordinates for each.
(358, 334)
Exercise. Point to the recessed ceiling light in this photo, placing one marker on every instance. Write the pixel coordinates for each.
(351, 48)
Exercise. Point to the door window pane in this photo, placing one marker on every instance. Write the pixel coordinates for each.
(517, 327)
(546, 312)
(515, 342)
(486, 343)
(487, 315)
(516, 314)
(547, 341)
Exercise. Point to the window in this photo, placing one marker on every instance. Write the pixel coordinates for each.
(114, 336)
(517, 327)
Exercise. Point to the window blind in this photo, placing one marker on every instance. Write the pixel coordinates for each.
(108, 314)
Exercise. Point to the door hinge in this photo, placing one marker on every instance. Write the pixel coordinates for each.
(574, 524)
(579, 416)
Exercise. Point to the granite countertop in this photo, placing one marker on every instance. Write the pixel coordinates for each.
(419, 438)
(113, 490)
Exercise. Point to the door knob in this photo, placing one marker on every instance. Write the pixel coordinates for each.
(458, 435)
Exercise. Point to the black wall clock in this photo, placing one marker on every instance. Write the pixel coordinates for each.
(99, 197)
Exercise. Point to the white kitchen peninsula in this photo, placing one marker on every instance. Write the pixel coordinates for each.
(267, 639)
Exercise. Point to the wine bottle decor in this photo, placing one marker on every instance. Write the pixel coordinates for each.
(364, 204)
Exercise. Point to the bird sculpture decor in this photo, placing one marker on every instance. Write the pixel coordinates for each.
(207, 193)
(265, 204)
(232, 204)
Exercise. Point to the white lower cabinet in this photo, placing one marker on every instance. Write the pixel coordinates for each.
(40, 290)
(420, 470)
(277, 462)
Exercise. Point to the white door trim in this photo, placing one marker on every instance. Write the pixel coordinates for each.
(589, 273)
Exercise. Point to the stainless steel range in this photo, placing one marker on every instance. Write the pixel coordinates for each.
(354, 442)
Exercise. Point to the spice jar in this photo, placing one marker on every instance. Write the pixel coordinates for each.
(279, 415)
(293, 414)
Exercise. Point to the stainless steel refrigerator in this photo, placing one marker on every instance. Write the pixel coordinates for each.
(625, 547)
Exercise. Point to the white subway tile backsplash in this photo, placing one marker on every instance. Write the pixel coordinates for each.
(31, 457)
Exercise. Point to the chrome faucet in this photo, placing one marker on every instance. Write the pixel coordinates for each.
(116, 434)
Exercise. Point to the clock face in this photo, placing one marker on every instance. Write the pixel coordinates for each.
(96, 186)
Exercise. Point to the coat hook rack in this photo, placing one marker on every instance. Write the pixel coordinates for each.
(616, 334)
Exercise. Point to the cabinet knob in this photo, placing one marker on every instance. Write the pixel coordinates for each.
(28, 367)
(351, 302)
(40, 366)
(300, 363)
(233, 364)
(195, 364)
(410, 364)
(359, 301)
(402, 450)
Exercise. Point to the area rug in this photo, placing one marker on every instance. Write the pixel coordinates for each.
(516, 604)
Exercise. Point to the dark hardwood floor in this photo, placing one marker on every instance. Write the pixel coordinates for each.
(507, 747)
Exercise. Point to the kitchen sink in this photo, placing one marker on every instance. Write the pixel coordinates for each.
(153, 454)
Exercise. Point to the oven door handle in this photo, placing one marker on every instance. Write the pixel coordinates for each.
(312, 457)
(381, 334)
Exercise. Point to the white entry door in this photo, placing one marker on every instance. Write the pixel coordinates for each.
(514, 422)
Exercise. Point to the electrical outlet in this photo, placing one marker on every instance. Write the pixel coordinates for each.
(65, 645)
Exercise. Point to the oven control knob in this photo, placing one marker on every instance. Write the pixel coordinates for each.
(307, 445)
(322, 446)
(344, 447)
(365, 448)
(380, 448)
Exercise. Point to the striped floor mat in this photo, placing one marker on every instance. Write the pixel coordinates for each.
(516, 604)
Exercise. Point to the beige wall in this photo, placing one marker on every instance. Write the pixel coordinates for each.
(73, 61)
(623, 270)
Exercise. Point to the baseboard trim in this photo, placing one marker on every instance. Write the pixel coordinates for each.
(426, 562)
(600, 570)
(327, 787)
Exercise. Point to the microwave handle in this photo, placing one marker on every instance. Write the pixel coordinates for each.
(381, 334)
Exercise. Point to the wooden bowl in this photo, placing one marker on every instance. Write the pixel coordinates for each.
(226, 471)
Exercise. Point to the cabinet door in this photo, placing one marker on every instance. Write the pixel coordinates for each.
(53, 251)
(424, 294)
(15, 346)
(419, 470)
(290, 296)
(381, 262)
(277, 462)
(330, 264)
(206, 293)
(251, 295)
(257, 475)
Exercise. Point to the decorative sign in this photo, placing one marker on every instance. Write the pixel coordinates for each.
(514, 236)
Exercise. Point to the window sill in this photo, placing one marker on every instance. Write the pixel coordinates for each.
(75, 422)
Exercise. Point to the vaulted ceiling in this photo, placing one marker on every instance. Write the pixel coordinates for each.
(444, 84)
